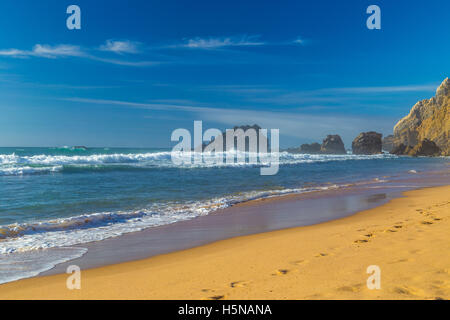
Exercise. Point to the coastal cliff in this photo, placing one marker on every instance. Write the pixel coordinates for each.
(427, 120)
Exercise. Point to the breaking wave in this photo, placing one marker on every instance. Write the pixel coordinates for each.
(20, 237)
(13, 164)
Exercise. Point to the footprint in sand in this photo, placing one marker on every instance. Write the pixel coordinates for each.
(443, 271)
(405, 290)
(426, 222)
(353, 288)
(361, 241)
(299, 262)
(321, 254)
(401, 260)
(237, 284)
(281, 272)
(218, 297)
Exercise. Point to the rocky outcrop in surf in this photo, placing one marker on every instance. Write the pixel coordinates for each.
(332, 144)
(367, 143)
(312, 148)
(240, 134)
(428, 120)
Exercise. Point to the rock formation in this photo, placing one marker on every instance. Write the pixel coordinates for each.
(240, 135)
(428, 119)
(332, 144)
(425, 148)
(367, 143)
(313, 148)
(388, 143)
(399, 149)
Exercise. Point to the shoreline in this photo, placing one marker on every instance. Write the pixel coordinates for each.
(245, 218)
(271, 262)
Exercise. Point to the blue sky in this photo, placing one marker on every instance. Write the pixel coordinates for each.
(137, 70)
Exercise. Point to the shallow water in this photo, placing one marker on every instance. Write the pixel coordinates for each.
(54, 197)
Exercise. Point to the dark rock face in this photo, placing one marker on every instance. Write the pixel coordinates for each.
(388, 143)
(367, 143)
(332, 144)
(312, 148)
(425, 148)
(240, 135)
(399, 149)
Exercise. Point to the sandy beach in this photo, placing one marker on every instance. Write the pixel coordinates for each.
(408, 238)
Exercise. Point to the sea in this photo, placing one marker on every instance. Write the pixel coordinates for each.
(61, 198)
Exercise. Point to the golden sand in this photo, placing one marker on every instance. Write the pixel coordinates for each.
(408, 238)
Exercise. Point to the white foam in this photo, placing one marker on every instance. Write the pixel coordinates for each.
(18, 171)
(13, 164)
(21, 265)
(99, 226)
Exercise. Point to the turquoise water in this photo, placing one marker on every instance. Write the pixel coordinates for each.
(53, 197)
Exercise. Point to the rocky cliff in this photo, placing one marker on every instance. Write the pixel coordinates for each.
(388, 143)
(428, 119)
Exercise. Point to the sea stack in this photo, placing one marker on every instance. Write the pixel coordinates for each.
(313, 148)
(367, 143)
(240, 134)
(332, 144)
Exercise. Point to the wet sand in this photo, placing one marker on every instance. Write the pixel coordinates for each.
(251, 217)
(408, 238)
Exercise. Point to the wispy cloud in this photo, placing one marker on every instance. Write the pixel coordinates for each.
(340, 96)
(233, 41)
(138, 105)
(127, 63)
(220, 42)
(123, 47)
(242, 89)
(66, 51)
(45, 51)
(294, 124)
(120, 46)
(299, 40)
(388, 89)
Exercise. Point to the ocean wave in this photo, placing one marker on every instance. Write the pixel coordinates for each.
(17, 266)
(13, 164)
(26, 170)
(44, 159)
(99, 226)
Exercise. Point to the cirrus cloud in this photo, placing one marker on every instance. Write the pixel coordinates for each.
(120, 46)
(46, 51)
